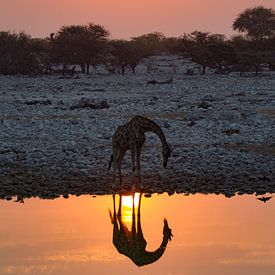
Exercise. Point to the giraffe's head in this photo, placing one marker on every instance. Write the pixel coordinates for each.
(166, 153)
(167, 232)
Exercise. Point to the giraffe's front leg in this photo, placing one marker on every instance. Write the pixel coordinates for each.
(119, 173)
(138, 164)
(133, 157)
(115, 155)
(114, 172)
(119, 206)
(119, 160)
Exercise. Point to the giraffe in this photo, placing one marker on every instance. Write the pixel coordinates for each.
(131, 136)
(131, 243)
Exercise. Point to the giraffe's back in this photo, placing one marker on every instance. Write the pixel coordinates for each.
(143, 124)
(129, 134)
(121, 136)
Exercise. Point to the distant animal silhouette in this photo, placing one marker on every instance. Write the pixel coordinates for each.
(264, 199)
(131, 136)
(63, 71)
(131, 243)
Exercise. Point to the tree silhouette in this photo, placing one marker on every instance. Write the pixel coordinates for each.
(257, 23)
(89, 45)
(128, 54)
(208, 50)
(150, 43)
(221, 56)
(171, 45)
(17, 54)
(119, 55)
(80, 44)
(251, 60)
(41, 50)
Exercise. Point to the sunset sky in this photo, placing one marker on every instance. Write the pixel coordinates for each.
(125, 18)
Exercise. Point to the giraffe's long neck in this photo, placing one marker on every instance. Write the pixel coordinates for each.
(161, 136)
(158, 253)
(150, 257)
(150, 126)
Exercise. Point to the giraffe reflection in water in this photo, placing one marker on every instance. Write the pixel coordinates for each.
(131, 243)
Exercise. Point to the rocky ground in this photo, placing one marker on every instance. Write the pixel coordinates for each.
(55, 132)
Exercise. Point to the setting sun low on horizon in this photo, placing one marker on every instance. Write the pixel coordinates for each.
(124, 18)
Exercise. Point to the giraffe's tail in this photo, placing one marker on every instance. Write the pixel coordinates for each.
(110, 162)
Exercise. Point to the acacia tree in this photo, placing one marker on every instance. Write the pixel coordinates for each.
(80, 44)
(136, 53)
(221, 56)
(150, 43)
(198, 48)
(17, 54)
(257, 23)
(41, 50)
(171, 45)
(119, 55)
(257, 47)
(208, 50)
(126, 54)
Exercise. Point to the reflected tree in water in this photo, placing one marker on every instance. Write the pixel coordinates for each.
(131, 243)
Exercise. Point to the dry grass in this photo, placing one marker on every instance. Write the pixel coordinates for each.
(267, 112)
(262, 149)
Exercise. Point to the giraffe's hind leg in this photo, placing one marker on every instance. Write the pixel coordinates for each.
(133, 157)
(119, 161)
(138, 164)
(115, 157)
(138, 149)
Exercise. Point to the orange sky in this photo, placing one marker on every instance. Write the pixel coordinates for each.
(124, 18)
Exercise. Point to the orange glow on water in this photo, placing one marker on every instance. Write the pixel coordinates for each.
(127, 207)
(127, 201)
(212, 235)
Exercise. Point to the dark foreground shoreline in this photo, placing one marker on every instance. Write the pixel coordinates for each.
(26, 183)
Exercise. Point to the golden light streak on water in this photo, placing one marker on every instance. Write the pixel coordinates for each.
(127, 207)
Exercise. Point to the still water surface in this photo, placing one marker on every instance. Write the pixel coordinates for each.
(85, 235)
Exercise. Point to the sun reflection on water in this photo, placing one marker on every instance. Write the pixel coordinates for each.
(128, 202)
(213, 235)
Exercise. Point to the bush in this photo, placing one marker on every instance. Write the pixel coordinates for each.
(17, 54)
